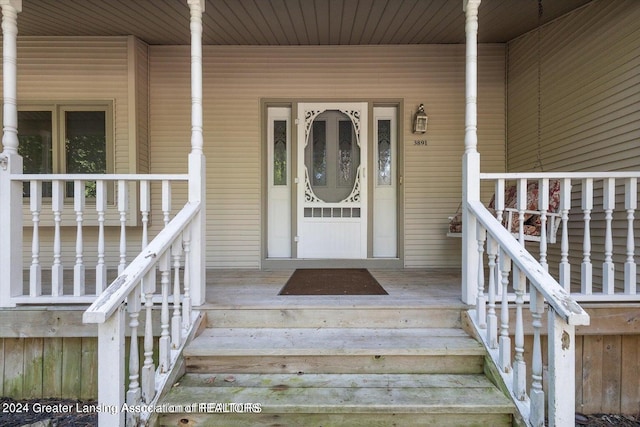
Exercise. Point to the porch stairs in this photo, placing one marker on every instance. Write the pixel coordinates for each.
(335, 366)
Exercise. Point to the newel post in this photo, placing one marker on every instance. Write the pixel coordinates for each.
(471, 158)
(562, 371)
(10, 162)
(197, 161)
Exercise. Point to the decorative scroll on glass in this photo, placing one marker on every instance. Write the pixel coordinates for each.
(280, 152)
(332, 157)
(319, 147)
(384, 152)
(345, 154)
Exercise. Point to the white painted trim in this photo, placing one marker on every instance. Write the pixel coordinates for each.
(278, 196)
(385, 200)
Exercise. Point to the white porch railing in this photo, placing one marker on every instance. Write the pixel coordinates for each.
(595, 255)
(94, 208)
(503, 252)
(134, 288)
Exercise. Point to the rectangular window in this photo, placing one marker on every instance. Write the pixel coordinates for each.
(66, 138)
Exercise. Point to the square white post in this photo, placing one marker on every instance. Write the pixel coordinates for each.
(562, 374)
(11, 260)
(111, 369)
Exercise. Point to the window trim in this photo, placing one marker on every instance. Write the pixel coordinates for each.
(58, 126)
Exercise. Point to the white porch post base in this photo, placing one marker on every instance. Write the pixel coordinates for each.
(11, 236)
(111, 369)
(470, 257)
(197, 258)
(562, 374)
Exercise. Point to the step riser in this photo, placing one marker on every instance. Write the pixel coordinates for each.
(329, 420)
(334, 318)
(358, 364)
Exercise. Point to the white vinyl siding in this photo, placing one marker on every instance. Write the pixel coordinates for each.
(236, 79)
(589, 92)
(590, 110)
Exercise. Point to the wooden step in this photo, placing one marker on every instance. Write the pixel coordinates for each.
(320, 316)
(335, 350)
(339, 399)
(414, 301)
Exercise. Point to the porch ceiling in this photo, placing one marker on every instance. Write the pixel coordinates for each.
(288, 22)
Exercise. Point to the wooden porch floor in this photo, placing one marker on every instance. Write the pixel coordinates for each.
(248, 288)
(405, 287)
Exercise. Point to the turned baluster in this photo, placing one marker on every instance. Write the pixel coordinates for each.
(145, 206)
(57, 270)
(78, 268)
(166, 201)
(565, 206)
(481, 300)
(519, 365)
(492, 320)
(186, 301)
(586, 268)
(123, 204)
(630, 204)
(176, 319)
(608, 204)
(536, 415)
(134, 392)
(164, 359)
(543, 204)
(505, 341)
(35, 273)
(101, 207)
(148, 368)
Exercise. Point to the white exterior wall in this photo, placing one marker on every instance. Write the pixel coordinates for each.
(237, 78)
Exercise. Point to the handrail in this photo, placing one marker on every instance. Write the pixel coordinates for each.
(120, 307)
(563, 304)
(503, 250)
(98, 177)
(109, 301)
(559, 175)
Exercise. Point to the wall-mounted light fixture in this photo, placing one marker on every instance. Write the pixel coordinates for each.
(420, 120)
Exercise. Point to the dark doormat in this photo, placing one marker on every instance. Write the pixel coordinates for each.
(332, 281)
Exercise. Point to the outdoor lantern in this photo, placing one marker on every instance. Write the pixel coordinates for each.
(420, 120)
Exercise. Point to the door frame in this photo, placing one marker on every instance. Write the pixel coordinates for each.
(287, 263)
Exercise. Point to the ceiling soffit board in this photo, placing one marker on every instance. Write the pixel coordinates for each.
(288, 22)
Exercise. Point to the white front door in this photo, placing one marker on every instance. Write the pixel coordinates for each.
(331, 180)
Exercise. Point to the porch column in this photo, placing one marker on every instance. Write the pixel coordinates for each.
(197, 161)
(10, 162)
(471, 158)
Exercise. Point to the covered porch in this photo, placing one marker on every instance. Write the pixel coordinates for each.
(159, 247)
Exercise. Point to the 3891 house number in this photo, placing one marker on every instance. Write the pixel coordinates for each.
(420, 142)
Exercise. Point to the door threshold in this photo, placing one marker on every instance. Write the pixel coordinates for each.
(293, 263)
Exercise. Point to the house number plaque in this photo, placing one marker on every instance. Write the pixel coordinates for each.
(420, 142)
